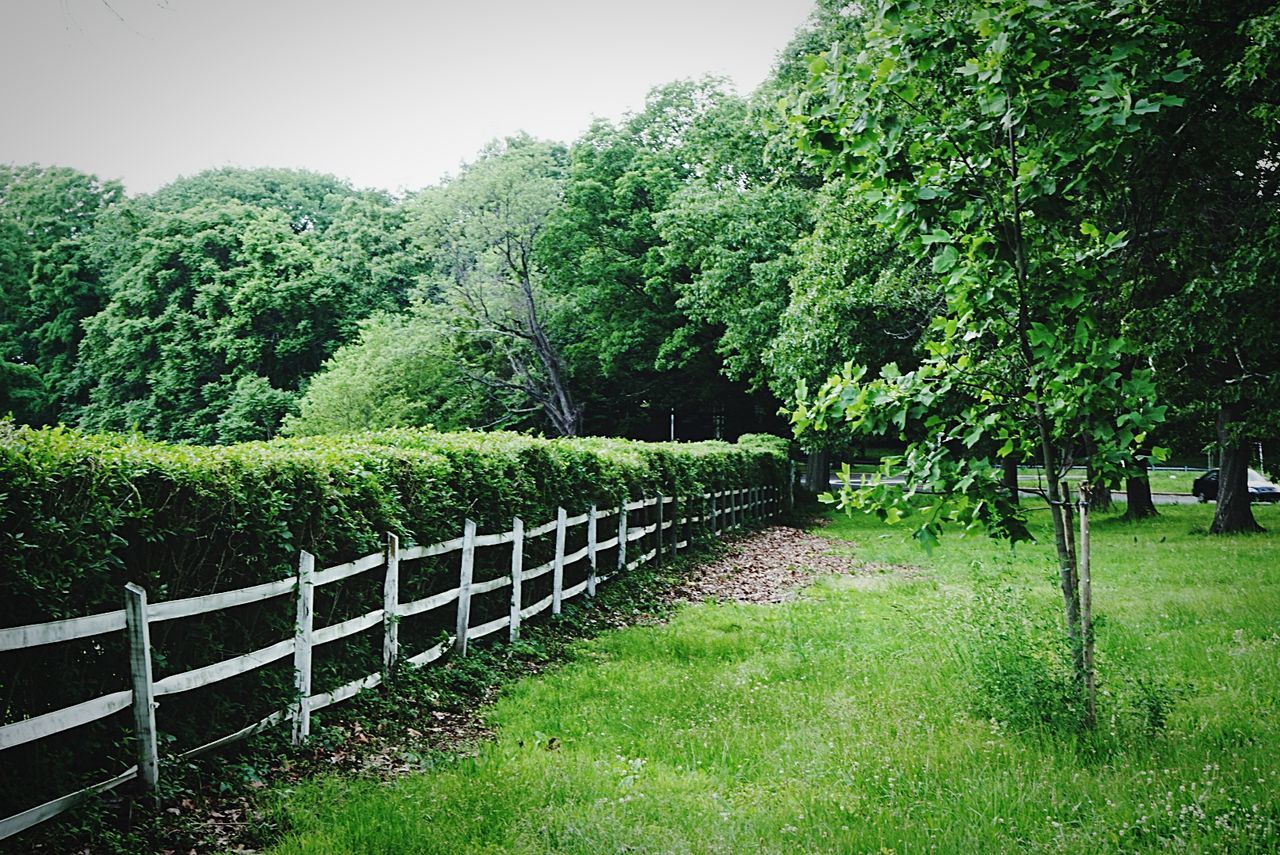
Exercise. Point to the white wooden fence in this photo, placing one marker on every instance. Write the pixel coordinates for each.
(673, 524)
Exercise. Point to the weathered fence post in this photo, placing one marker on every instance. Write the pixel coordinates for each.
(675, 526)
(144, 706)
(464, 587)
(592, 537)
(714, 514)
(662, 535)
(517, 575)
(557, 567)
(622, 537)
(302, 647)
(390, 604)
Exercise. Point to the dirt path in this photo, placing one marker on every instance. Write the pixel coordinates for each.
(767, 566)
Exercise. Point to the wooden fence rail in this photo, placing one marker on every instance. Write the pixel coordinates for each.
(670, 531)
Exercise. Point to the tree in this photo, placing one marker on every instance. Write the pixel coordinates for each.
(602, 251)
(49, 281)
(482, 228)
(404, 370)
(310, 201)
(984, 133)
(208, 297)
(854, 295)
(726, 236)
(1205, 201)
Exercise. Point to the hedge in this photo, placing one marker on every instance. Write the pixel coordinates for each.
(81, 515)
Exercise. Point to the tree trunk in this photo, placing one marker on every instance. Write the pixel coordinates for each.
(1099, 491)
(1234, 513)
(558, 404)
(1137, 488)
(1059, 514)
(1010, 479)
(818, 471)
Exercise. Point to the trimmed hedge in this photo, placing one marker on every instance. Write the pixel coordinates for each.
(81, 515)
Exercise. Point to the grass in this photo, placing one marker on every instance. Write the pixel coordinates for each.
(843, 722)
(1161, 481)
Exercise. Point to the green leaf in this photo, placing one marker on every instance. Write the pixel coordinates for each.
(945, 260)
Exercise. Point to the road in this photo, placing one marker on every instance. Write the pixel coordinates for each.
(1119, 496)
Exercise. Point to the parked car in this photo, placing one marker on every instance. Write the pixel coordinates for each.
(1205, 487)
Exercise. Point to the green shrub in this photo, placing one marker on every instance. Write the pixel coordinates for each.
(84, 514)
(1021, 672)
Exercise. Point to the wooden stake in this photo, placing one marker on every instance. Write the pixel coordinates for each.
(1086, 609)
(662, 535)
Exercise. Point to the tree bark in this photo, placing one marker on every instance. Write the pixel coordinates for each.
(1010, 479)
(558, 403)
(1059, 513)
(1137, 488)
(1099, 491)
(1234, 514)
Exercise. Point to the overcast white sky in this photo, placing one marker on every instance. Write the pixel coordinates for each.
(387, 93)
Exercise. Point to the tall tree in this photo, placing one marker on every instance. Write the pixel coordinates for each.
(404, 370)
(482, 227)
(210, 296)
(1206, 203)
(603, 254)
(984, 134)
(49, 281)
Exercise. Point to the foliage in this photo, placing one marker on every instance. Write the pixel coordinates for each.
(209, 296)
(482, 228)
(48, 282)
(404, 370)
(979, 135)
(1020, 672)
(603, 253)
(1204, 200)
(85, 514)
(855, 295)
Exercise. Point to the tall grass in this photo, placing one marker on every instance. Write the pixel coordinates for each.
(844, 722)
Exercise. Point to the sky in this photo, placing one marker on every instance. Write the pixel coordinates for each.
(393, 94)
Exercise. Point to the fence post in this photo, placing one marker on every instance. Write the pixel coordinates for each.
(302, 647)
(662, 535)
(144, 706)
(517, 575)
(791, 485)
(464, 587)
(622, 536)
(390, 604)
(557, 568)
(675, 526)
(591, 550)
(714, 515)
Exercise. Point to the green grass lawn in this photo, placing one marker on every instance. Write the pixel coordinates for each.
(843, 722)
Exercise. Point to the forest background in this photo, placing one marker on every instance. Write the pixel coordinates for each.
(693, 262)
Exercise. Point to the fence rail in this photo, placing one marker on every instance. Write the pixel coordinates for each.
(672, 528)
